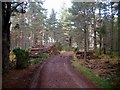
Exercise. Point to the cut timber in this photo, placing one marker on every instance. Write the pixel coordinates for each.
(49, 49)
(90, 55)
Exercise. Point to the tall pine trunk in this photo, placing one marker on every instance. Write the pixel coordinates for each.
(85, 38)
(119, 28)
(85, 43)
(95, 43)
(100, 43)
(111, 32)
(100, 33)
(6, 35)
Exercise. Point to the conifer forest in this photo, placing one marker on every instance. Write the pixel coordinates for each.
(77, 46)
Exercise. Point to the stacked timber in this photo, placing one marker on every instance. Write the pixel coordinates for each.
(53, 50)
(89, 55)
(49, 49)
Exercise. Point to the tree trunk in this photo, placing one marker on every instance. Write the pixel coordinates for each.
(85, 43)
(111, 33)
(100, 34)
(54, 35)
(119, 28)
(104, 45)
(100, 48)
(6, 14)
(95, 45)
(6, 35)
(85, 39)
(70, 42)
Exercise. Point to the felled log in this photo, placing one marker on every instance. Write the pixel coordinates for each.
(90, 55)
(49, 49)
(53, 50)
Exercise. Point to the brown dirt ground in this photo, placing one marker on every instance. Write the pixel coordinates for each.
(18, 78)
(107, 69)
(56, 72)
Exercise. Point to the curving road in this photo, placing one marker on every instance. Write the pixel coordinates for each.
(58, 73)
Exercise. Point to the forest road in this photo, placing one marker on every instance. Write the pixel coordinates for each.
(57, 72)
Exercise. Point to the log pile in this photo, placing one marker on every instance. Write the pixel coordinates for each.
(53, 50)
(49, 49)
(90, 55)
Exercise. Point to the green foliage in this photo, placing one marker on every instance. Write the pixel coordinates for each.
(17, 26)
(58, 46)
(102, 31)
(12, 57)
(41, 58)
(22, 58)
(115, 53)
(76, 49)
(52, 20)
(104, 56)
(69, 49)
(35, 61)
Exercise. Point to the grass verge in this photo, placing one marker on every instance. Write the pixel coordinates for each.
(89, 74)
(42, 57)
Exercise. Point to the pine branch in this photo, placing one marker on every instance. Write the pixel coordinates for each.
(13, 8)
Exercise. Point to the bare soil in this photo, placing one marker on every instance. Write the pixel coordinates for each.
(19, 78)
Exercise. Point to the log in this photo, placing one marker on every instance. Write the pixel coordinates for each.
(90, 55)
(49, 49)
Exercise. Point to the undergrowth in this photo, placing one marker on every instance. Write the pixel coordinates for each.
(100, 82)
(41, 57)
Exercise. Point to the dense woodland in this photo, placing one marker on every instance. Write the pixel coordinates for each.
(84, 36)
(85, 25)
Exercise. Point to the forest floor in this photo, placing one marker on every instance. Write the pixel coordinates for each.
(107, 69)
(56, 72)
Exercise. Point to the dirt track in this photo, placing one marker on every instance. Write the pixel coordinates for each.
(58, 73)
